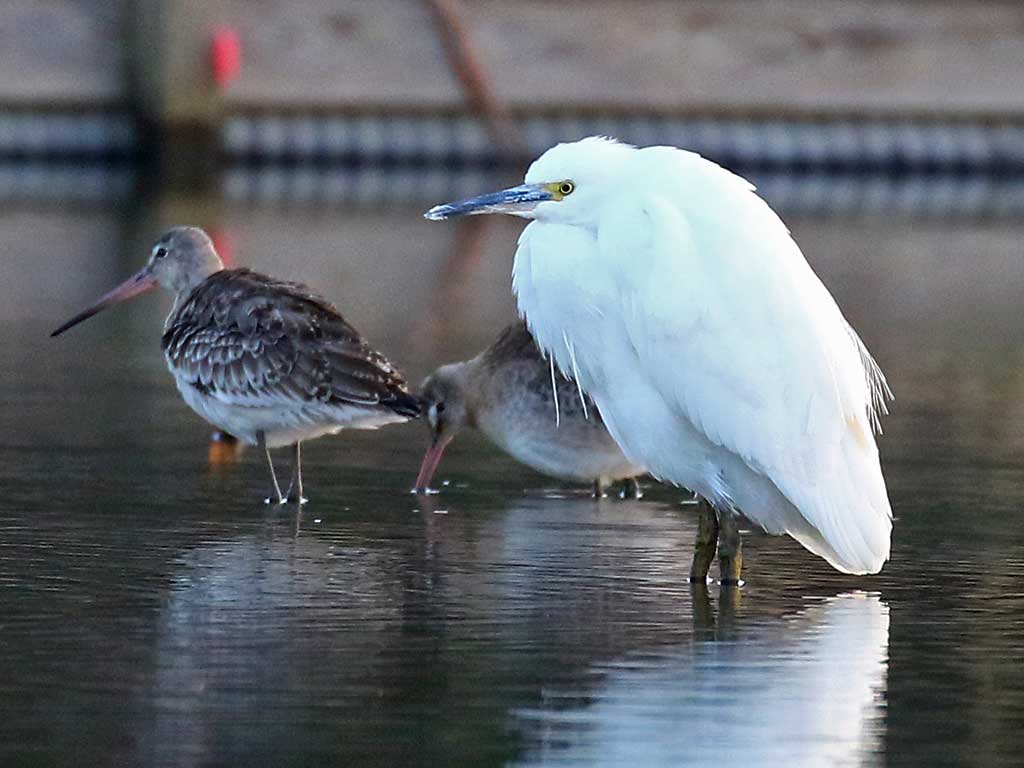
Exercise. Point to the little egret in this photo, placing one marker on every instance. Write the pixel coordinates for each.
(677, 298)
(268, 361)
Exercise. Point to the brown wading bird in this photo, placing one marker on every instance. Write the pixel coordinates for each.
(268, 361)
(510, 394)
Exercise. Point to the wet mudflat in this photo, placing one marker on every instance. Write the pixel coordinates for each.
(154, 612)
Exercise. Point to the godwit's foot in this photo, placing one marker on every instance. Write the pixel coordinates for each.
(261, 441)
(705, 543)
(294, 493)
(630, 489)
(730, 550)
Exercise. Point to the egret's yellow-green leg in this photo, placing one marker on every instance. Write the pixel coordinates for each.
(706, 543)
(730, 549)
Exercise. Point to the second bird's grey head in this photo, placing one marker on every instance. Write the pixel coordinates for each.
(183, 257)
(443, 395)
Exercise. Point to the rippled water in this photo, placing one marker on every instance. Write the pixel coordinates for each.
(154, 612)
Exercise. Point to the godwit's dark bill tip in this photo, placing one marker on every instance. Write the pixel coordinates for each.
(69, 324)
(75, 321)
(140, 282)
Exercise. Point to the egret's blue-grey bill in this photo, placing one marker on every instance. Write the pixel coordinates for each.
(518, 201)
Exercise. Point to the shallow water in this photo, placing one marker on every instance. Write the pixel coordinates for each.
(154, 612)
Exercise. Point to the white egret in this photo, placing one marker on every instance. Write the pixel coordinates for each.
(679, 301)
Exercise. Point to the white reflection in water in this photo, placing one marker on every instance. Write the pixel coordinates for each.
(808, 692)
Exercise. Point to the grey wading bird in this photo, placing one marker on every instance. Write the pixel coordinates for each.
(509, 392)
(268, 361)
(677, 298)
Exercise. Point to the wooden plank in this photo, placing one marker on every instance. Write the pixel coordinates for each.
(341, 53)
(734, 56)
(877, 56)
(62, 51)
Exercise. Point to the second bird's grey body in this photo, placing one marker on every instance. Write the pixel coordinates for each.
(506, 393)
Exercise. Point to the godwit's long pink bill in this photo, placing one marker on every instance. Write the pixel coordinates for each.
(431, 461)
(137, 284)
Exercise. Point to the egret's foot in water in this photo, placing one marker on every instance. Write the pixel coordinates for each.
(706, 543)
(730, 550)
(630, 489)
(600, 489)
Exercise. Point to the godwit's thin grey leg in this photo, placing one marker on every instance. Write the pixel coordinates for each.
(599, 489)
(296, 482)
(261, 441)
(706, 543)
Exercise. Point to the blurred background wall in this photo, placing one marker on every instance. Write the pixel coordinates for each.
(309, 135)
(893, 85)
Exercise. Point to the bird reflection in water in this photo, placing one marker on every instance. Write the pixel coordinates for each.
(224, 451)
(709, 623)
(807, 690)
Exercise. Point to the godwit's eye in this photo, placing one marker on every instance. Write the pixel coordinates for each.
(566, 188)
(160, 252)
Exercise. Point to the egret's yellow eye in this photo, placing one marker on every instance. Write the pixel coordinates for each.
(566, 188)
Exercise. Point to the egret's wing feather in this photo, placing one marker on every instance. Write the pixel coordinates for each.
(878, 386)
(247, 339)
(761, 360)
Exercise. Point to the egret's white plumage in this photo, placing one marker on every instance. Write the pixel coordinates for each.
(717, 357)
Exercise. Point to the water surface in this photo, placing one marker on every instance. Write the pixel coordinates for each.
(154, 612)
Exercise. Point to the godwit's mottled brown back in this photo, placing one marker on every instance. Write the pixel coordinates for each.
(246, 338)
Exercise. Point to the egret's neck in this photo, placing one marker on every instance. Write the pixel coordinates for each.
(564, 290)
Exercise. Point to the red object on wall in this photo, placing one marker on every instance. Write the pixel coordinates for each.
(225, 56)
(225, 246)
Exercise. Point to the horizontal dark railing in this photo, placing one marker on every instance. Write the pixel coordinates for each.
(842, 166)
(838, 145)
